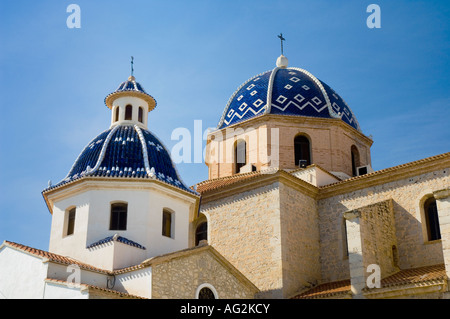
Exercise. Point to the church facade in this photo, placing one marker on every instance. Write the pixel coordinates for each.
(291, 209)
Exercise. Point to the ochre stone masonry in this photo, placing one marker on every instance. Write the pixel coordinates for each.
(179, 277)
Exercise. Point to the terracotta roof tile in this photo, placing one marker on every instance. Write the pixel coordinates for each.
(422, 275)
(416, 275)
(53, 257)
(109, 291)
(216, 183)
(390, 169)
(326, 290)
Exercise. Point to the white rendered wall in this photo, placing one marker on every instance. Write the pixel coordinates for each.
(21, 275)
(146, 201)
(138, 282)
(136, 102)
(61, 291)
(70, 245)
(315, 176)
(66, 273)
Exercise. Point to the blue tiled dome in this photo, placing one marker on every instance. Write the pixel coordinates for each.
(125, 151)
(285, 91)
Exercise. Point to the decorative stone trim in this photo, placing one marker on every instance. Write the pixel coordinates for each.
(150, 172)
(270, 89)
(352, 214)
(441, 194)
(102, 152)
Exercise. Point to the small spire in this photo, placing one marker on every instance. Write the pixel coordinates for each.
(282, 61)
(132, 67)
(281, 40)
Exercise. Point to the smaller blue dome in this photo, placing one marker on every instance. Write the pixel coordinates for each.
(125, 151)
(129, 88)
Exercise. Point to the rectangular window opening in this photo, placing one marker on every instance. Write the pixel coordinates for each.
(167, 224)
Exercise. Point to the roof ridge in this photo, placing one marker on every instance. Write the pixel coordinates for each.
(53, 256)
(388, 169)
(401, 277)
(227, 177)
(59, 281)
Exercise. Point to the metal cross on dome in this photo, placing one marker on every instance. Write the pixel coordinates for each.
(132, 62)
(281, 39)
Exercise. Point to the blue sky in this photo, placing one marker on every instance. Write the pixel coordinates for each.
(191, 56)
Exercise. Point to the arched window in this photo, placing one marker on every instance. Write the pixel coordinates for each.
(167, 223)
(355, 159)
(128, 112)
(118, 220)
(141, 115)
(432, 219)
(116, 117)
(206, 293)
(240, 155)
(201, 233)
(302, 151)
(70, 221)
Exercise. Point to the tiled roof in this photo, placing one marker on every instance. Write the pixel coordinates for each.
(104, 290)
(216, 183)
(426, 275)
(326, 290)
(53, 257)
(390, 169)
(117, 238)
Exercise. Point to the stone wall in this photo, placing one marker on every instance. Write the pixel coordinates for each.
(270, 143)
(271, 234)
(378, 236)
(300, 240)
(179, 278)
(245, 229)
(413, 249)
(371, 243)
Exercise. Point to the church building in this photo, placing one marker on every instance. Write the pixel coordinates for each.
(291, 209)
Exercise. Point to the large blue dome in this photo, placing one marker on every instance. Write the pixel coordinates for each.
(285, 91)
(126, 151)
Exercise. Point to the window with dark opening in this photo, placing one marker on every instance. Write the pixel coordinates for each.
(355, 160)
(302, 151)
(71, 221)
(344, 239)
(201, 233)
(432, 219)
(141, 115)
(128, 112)
(240, 155)
(167, 223)
(118, 216)
(116, 117)
(206, 293)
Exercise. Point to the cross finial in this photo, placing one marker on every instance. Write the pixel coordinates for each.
(132, 68)
(281, 39)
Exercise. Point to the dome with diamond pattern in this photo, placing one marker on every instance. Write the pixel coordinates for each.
(286, 91)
